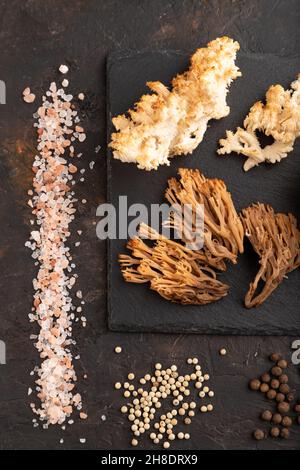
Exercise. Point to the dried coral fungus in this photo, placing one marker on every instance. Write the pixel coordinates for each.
(177, 274)
(276, 240)
(223, 230)
(278, 118)
(168, 123)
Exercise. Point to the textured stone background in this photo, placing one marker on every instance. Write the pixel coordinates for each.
(35, 38)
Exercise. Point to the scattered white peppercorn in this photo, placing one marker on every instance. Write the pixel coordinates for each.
(146, 403)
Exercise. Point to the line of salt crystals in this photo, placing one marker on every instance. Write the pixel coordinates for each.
(53, 206)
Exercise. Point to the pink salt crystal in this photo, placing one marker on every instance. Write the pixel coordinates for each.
(26, 91)
(29, 98)
(53, 206)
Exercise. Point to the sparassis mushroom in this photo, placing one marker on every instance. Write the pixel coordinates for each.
(173, 122)
(276, 240)
(278, 118)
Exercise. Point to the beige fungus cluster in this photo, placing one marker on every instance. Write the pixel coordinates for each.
(173, 122)
(52, 202)
(279, 118)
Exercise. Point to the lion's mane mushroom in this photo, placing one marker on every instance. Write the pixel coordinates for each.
(173, 122)
(176, 273)
(278, 118)
(223, 229)
(276, 240)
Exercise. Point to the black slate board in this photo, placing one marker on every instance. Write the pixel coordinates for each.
(134, 307)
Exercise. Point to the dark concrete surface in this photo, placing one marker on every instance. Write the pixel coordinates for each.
(35, 38)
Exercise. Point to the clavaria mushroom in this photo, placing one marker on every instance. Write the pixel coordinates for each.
(175, 272)
(278, 118)
(223, 230)
(173, 122)
(276, 240)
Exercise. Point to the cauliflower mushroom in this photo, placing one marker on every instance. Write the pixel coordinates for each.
(278, 118)
(173, 122)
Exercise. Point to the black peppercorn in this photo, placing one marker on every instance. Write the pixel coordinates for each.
(276, 371)
(271, 394)
(275, 384)
(287, 421)
(282, 364)
(254, 384)
(290, 397)
(283, 407)
(264, 388)
(274, 432)
(266, 415)
(283, 379)
(266, 377)
(280, 397)
(298, 419)
(297, 408)
(277, 418)
(284, 388)
(285, 433)
(275, 357)
(258, 434)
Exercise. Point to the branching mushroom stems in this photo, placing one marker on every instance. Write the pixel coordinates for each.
(173, 271)
(276, 240)
(223, 230)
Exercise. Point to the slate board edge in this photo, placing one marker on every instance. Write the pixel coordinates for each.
(108, 188)
(226, 331)
(117, 327)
